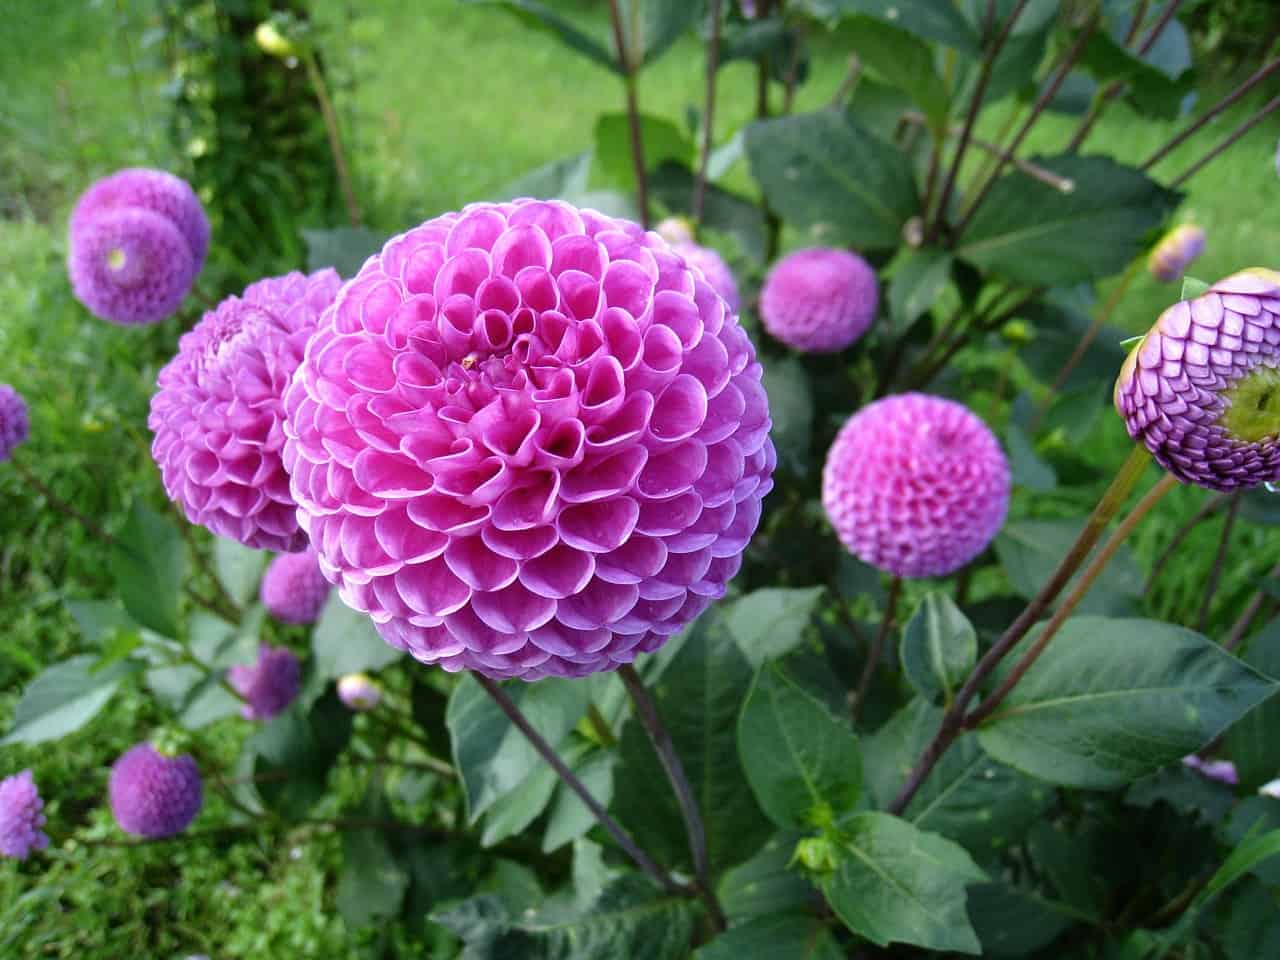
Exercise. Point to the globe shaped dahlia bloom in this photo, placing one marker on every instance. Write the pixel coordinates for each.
(21, 817)
(529, 440)
(156, 191)
(154, 795)
(359, 692)
(1202, 389)
(713, 268)
(1176, 250)
(293, 588)
(14, 425)
(269, 684)
(819, 300)
(218, 411)
(916, 485)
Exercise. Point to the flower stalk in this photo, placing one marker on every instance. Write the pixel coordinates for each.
(633, 113)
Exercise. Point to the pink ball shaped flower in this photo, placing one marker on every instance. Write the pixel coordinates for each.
(916, 485)
(217, 416)
(293, 588)
(21, 817)
(359, 692)
(156, 191)
(819, 300)
(269, 684)
(14, 424)
(154, 795)
(713, 268)
(529, 440)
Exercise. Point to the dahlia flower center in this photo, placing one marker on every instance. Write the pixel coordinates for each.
(116, 259)
(1252, 410)
(239, 329)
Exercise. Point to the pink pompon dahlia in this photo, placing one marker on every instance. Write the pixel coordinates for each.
(21, 816)
(916, 485)
(218, 411)
(713, 268)
(154, 795)
(1176, 250)
(529, 440)
(359, 692)
(269, 684)
(1202, 389)
(14, 424)
(156, 191)
(293, 588)
(819, 300)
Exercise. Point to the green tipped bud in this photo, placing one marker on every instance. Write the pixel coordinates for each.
(271, 41)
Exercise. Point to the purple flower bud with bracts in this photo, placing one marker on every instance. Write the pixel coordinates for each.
(21, 816)
(1175, 252)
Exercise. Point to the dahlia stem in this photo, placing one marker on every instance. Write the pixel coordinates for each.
(1207, 509)
(1135, 24)
(548, 753)
(708, 113)
(877, 646)
(633, 114)
(59, 504)
(1231, 138)
(1215, 573)
(220, 603)
(647, 711)
(772, 222)
(999, 155)
(1241, 626)
(952, 723)
(330, 118)
(975, 105)
(848, 84)
(1086, 580)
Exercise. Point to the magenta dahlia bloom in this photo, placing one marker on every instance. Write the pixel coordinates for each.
(154, 795)
(218, 411)
(1202, 389)
(156, 191)
(713, 268)
(819, 300)
(529, 440)
(268, 685)
(1176, 250)
(21, 817)
(916, 485)
(359, 692)
(1224, 771)
(14, 425)
(293, 589)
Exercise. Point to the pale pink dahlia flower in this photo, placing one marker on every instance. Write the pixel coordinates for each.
(916, 485)
(217, 415)
(269, 684)
(21, 817)
(156, 191)
(293, 588)
(14, 424)
(154, 795)
(529, 440)
(819, 300)
(713, 268)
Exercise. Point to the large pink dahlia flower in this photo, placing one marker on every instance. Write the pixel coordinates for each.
(916, 485)
(529, 440)
(217, 415)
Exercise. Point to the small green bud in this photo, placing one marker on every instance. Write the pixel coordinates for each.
(816, 854)
(1018, 332)
(271, 41)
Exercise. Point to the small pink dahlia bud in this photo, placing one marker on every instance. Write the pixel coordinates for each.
(218, 411)
(713, 268)
(154, 795)
(819, 300)
(268, 685)
(1224, 771)
(359, 692)
(1176, 250)
(1202, 389)
(916, 485)
(529, 440)
(674, 230)
(156, 191)
(293, 588)
(21, 817)
(14, 425)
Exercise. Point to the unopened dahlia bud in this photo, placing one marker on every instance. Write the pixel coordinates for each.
(218, 410)
(14, 424)
(916, 485)
(153, 794)
(269, 684)
(713, 268)
(819, 300)
(1202, 389)
(359, 692)
(1224, 771)
(1176, 250)
(529, 440)
(21, 817)
(1271, 789)
(159, 192)
(675, 230)
(293, 588)
(271, 41)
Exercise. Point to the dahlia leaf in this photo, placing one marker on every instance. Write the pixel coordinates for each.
(1030, 550)
(928, 19)
(345, 641)
(791, 409)
(98, 620)
(569, 818)
(825, 172)
(64, 697)
(1028, 469)
(902, 60)
(804, 765)
(769, 623)
(562, 178)
(371, 883)
(239, 568)
(345, 249)
(1012, 922)
(801, 935)
(539, 15)
(293, 753)
(651, 26)
(1152, 90)
(766, 883)
(1112, 700)
(612, 164)
(939, 647)
(1252, 743)
(917, 277)
(671, 185)
(894, 883)
(509, 816)
(1192, 288)
(149, 564)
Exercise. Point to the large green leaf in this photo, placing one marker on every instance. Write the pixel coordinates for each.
(1030, 551)
(559, 178)
(239, 568)
(803, 764)
(928, 19)
(1253, 744)
(824, 171)
(510, 814)
(149, 561)
(766, 883)
(939, 647)
(901, 60)
(1032, 233)
(99, 619)
(770, 622)
(1013, 922)
(894, 883)
(345, 641)
(64, 698)
(916, 279)
(1112, 700)
(613, 163)
(569, 817)
(371, 883)
(542, 17)
(345, 249)
(791, 409)
(294, 752)
(795, 936)
(1152, 90)
(649, 27)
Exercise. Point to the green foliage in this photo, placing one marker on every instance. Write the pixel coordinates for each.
(939, 647)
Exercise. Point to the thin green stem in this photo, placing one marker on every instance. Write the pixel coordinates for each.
(708, 112)
(1220, 558)
(877, 646)
(1207, 509)
(330, 119)
(633, 114)
(1238, 629)
(1270, 106)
